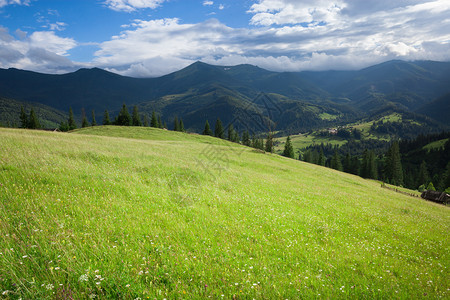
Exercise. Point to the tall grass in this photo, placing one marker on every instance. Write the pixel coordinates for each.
(171, 215)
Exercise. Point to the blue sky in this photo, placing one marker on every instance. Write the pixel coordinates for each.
(145, 38)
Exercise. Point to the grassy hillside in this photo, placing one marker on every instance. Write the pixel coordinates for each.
(10, 113)
(111, 212)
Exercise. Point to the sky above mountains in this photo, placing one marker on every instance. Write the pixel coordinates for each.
(144, 38)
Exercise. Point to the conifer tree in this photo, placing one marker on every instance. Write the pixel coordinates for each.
(63, 126)
(445, 179)
(355, 166)
(71, 120)
(23, 118)
(288, 148)
(307, 156)
(346, 164)
(218, 129)
(154, 120)
(181, 125)
(136, 120)
(269, 143)
(246, 138)
(322, 159)
(106, 120)
(146, 120)
(365, 164)
(94, 122)
(430, 187)
(207, 130)
(165, 125)
(124, 118)
(230, 133)
(336, 161)
(33, 121)
(84, 122)
(176, 124)
(424, 177)
(160, 124)
(393, 165)
(372, 166)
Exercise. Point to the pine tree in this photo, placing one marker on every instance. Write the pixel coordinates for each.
(181, 125)
(346, 164)
(424, 177)
(365, 164)
(124, 118)
(165, 125)
(160, 124)
(430, 187)
(136, 120)
(154, 121)
(146, 120)
(393, 165)
(355, 166)
(23, 118)
(94, 122)
(207, 130)
(176, 124)
(269, 143)
(230, 133)
(288, 148)
(218, 129)
(63, 126)
(322, 159)
(307, 156)
(372, 166)
(336, 161)
(246, 138)
(84, 122)
(33, 121)
(71, 120)
(106, 120)
(446, 178)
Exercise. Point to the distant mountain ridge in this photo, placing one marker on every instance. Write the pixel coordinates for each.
(202, 91)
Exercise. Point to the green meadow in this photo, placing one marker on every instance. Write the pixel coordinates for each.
(137, 213)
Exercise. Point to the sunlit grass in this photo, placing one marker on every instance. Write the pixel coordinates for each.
(158, 214)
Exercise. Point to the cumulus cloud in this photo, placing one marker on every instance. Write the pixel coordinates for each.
(208, 3)
(311, 35)
(283, 35)
(132, 5)
(42, 51)
(279, 12)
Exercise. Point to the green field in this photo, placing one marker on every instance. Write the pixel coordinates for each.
(435, 145)
(305, 140)
(126, 213)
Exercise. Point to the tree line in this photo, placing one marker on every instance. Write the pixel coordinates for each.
(124, 118)
(403, 163)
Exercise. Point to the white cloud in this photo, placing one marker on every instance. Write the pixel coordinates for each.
(335, 38)
(59, 26)
(286, 35)
(132, 5)
(42, 51)
(208, 3)
(279, 12)
(221, 6)
(17, 2)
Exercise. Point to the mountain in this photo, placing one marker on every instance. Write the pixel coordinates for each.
(49, 117)
(438, 109)
(407, 84)
(288, 101)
